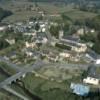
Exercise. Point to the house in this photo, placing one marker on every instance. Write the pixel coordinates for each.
(31, 45)
(52, 56)
(80, 31)
(2, 28)
(80, 89)
(45, 53)
(85, 30)
(94, 57)
(30, 34)
(91, 80)
(31, 53)
(93, 75)
(41, 38)
(64, 54)
(74, 43)
(79, 49)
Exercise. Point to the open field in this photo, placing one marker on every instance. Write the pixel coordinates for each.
(25, 10)
(55, 9)
(76, 14)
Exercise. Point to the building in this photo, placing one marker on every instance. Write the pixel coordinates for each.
(80, 31)
(64, 54)
(94, 57)
(2, 28)
(91, 80)
(80, 89)
(74, 43)
(85, 30)
(93, 75)
(31, 45)
(52, 56)
(30, 53)
(30, 34)
(41, 38)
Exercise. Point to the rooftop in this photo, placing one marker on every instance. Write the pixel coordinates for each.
(93, 54)
(80, 89)
(94, 71)
(71, 38)
(70, 43)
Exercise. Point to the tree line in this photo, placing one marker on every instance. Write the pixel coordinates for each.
(4, 13)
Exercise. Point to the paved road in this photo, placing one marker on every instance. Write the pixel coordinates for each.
(21, 73)
(38, 64)
(48, 35)
(15, 93)
(72, 66)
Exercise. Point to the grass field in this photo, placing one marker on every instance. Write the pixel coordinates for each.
(20, 11)
(76, 14)
(48, 90)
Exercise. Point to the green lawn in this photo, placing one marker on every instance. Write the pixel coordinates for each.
(48, 90)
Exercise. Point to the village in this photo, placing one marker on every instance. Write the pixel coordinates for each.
(31, 40)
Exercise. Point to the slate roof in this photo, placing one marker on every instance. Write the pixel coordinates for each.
(94, 71)
(93, 55)
(70, 43)
(71, 38)
(41, 34)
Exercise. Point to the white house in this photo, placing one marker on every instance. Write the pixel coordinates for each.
(2, 28)
(91, 80)
(64, 54)
(81, 48)
(32, 45)
(29, 53)
(80, 31)
(98, 61)
(93, 75)
(30, 34)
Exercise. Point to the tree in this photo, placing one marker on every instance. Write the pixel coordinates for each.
(98, 36)
(3, 44)
(88, 37)
(37, 27)
(4, 13)
(54, 30)
(65, 17)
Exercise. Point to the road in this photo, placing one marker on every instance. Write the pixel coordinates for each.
(21, 73)
(72, 66)
(37, 65)
(48, 35)
(15, 93)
